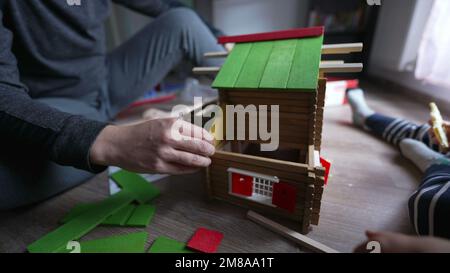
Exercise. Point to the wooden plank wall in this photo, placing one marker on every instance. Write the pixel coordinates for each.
(297, 113)
(319, 114)
(295, 174)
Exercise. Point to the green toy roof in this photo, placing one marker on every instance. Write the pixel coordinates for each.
(283, 64)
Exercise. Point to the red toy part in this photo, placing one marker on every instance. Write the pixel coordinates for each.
(327, 165)
(271, 36)
(205, 240)
(242, 184)
(284, 196)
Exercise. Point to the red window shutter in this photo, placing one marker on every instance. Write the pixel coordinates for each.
(284, 196)
(327, 165)
(242, 184)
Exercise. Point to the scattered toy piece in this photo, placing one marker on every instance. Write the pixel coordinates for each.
(76, 211)
(141, 216)
(121, 217)
(205, 240)
(145, 191)
(290, 234)
(129, 243)
(166, 245)
(75, 229)
(438, 128)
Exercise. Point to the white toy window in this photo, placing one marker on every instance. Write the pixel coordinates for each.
(252, 186)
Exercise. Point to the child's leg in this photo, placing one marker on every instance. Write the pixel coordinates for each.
(429, 206)
(393, 130)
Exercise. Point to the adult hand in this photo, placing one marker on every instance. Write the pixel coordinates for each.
(169, 146)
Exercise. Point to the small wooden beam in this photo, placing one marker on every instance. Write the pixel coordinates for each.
(290, 234)
(341, 68)
(206, 70)
(219, 54)
(325, 67)
(326, 50)
(333, 62)
(342, 48)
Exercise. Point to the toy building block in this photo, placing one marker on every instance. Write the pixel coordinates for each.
(166, 245)
(290, 234)
(438, 128)
(205, 240)
(285, 69)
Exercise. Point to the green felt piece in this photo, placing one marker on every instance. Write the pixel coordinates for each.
(129, 243)
(231, 69)
(255, 65)
(167, 245)
(141, 216)
(135, 183)
(121, 217)
(76, 211)
(278, 68)
(305, 69)
(82, 224)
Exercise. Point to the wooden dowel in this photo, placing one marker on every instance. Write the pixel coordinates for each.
(220, 54)
(326, 49)
(333, 62)
(206, 70)
(290, 234)
(325, 67)
(342, 48)
(341, 68)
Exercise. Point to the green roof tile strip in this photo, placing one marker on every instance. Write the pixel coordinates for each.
(284, 64)
(79, 226)
(305, 68)
(231, 69)
(129, 243)
(144, 191)
(167, 245)
(121, 217)
(254, 67)
(141, 216)
(278, 68)
(76, 211)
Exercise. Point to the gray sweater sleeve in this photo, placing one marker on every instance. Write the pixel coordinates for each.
(24, 123)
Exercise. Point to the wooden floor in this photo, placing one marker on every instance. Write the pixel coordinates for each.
(369, 189)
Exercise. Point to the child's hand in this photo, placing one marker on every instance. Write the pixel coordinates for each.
(400, 243)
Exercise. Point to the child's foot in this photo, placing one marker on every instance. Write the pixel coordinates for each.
(361, 111)
(420, 154)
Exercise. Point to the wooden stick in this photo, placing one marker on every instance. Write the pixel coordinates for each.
(341, 68)
(206, 70)
(290, 234)
(220, 54)
(342, 48)
(326, 49)
(324, 68)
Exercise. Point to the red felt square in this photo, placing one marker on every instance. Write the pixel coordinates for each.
(205, 240)
(327, 165)
(242, 184)
(284, 196)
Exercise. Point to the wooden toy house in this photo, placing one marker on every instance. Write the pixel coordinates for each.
(284, 69)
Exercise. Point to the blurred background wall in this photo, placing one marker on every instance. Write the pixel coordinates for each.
(391, 33)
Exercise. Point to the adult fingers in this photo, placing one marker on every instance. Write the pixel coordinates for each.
(192, 131)
(186, 159)
(194, 146)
